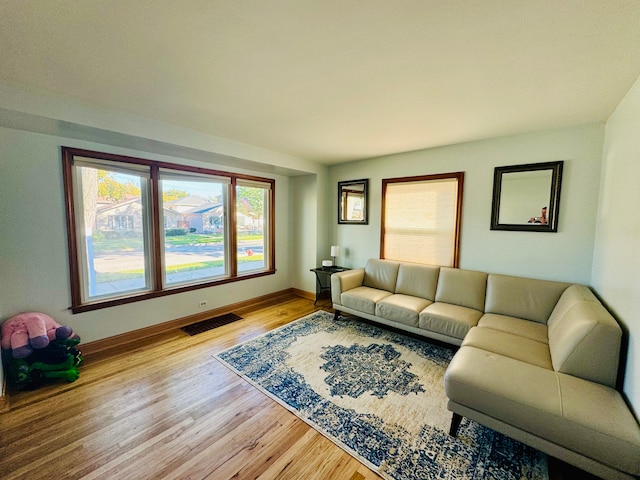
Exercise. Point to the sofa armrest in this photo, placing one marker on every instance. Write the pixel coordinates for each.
(343, 281)
(585, 342)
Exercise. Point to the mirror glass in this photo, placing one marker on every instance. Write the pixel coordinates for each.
(526, 197)
(352, 201)
(522, 190)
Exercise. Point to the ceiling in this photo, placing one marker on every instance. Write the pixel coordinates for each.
(332, 80)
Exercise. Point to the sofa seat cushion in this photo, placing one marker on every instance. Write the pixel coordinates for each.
(401, 308)
(601, 423)
(517, 326)
(363, 299)
(586, 417)
(510, 345)
(515, 392)
(447, 319)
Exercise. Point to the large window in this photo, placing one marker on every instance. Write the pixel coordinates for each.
(139, 228)
(421, 219)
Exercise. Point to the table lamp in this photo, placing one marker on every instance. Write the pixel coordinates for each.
(335, 251)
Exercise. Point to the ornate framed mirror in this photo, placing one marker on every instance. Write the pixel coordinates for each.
(527, 197)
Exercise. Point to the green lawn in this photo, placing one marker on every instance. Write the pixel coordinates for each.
(131, 274)
(101, 244)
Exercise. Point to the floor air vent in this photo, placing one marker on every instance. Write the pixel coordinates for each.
(210, 324)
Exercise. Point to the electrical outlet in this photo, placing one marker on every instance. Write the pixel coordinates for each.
(202, 303)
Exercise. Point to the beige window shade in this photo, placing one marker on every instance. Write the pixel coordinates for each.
(420, 221)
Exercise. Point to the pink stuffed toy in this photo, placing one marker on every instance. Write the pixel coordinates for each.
(26, 331)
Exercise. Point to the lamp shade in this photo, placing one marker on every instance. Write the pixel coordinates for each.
(335, 250)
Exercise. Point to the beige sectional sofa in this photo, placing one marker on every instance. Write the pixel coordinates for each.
(538, 360)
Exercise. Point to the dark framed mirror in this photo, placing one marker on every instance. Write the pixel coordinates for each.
(526, 198)
(353, 202)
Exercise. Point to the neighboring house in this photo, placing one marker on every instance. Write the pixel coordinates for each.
(120, 216)
(191, 212)
(206, 218)
(195, 212)
(185, 204)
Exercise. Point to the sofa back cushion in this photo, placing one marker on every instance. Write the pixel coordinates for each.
(381, 274)
(584, 339)
(417, 280)
(521, 297)
(466, 288)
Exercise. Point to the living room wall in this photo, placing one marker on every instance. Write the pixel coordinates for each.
(34, 249)
(616, 260)
(304, 215)
(564, 256)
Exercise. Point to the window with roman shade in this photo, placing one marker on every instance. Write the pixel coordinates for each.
(421, 219)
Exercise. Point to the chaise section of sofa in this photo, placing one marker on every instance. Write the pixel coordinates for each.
(538, 360)
(552, 385)
(583, 423)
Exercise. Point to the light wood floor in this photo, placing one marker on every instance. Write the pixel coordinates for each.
(164, 408)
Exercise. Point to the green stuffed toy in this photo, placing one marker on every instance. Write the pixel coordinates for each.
(58, 360)
(20, 372)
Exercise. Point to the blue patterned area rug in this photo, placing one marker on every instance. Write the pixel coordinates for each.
(379, 395)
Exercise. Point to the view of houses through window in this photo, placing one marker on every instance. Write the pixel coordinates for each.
(122, 247)
(193, 216)
(115, 229)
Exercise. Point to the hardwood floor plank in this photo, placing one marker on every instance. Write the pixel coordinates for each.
(229, 453)
(271, 448)
(150, 451)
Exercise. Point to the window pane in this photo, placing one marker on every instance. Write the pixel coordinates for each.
(139, 229)
(194, 216)
(420, 222)
(112, 231)
(252, 253)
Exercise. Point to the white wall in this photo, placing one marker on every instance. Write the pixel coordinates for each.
(33, 250)
(616, 260)
(32, 109)
(565, 256)
(33, 243)
(303, 219)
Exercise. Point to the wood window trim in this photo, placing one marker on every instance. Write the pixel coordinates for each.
(78, 306)
(459, 176)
